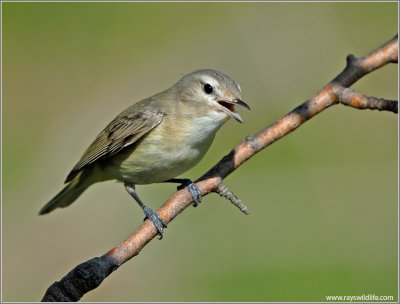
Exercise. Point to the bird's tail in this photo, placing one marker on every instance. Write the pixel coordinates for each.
(69, 194)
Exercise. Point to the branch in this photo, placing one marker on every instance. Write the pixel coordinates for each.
(89, 275)
(353, 99)
(226, 193)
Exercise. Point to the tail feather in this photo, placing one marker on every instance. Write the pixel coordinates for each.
(67, 195)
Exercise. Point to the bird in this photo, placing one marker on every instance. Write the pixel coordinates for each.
(156, 140)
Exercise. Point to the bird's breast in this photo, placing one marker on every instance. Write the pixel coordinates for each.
(170, 149)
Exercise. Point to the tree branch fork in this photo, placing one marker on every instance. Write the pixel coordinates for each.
(90, 274)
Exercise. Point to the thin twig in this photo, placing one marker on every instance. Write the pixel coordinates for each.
(226, 193)
(90, 274)
(350, 98)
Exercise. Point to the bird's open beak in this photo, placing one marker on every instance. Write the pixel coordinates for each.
(230, 106)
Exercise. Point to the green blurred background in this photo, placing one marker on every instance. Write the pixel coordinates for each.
(323, 200)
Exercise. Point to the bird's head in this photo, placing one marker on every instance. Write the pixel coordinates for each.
(212, 92)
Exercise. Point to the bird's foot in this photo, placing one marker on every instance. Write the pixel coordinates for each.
(193, 190)
(157, 221)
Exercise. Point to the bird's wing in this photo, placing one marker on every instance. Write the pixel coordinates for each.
(124, 130)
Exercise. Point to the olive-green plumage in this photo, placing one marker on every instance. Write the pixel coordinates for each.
(157, 138)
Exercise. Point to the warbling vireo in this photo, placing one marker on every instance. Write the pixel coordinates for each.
(157, 139)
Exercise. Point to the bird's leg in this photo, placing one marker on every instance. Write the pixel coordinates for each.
(191, 186)
(158, 222)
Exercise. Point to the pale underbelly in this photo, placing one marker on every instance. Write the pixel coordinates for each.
(154, 163)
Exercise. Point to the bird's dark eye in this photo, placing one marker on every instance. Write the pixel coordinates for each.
(208, 88)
